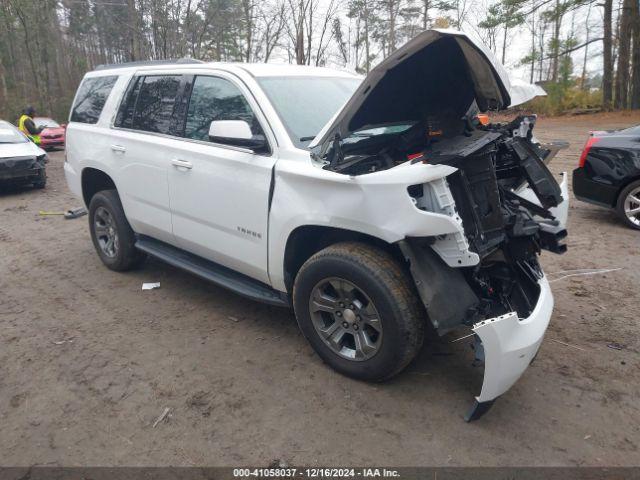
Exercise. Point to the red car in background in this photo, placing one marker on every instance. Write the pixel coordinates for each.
(53, 134)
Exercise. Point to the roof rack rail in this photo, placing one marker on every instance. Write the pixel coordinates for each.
(109, 66)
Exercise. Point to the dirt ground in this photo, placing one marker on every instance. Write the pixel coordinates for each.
(88, 361)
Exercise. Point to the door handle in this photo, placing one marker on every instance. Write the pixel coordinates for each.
(118, 148)
(179, 163)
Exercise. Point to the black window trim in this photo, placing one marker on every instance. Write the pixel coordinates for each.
(180, 95)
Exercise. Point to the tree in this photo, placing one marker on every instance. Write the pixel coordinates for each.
(508, 15)
(624, 51)
(635, 86)
(607, 55)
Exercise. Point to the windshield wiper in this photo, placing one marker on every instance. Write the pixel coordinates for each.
(306, 139)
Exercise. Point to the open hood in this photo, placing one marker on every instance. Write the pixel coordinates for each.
(438, 71)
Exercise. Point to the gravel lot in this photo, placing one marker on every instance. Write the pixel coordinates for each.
(88, 361)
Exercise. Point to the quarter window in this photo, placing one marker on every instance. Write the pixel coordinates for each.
(91, 98)
(155, 103)
(214, 98)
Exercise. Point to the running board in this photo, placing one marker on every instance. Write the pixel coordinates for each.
(221, 276)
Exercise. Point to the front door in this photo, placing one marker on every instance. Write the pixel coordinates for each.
(220, 192)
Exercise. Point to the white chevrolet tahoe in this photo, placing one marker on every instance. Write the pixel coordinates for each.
(374, 207)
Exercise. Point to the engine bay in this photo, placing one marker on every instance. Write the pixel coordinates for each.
(493, 162)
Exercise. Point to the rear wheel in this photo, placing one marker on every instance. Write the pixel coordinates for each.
(111, 233)
(628, 206)
(357, 307)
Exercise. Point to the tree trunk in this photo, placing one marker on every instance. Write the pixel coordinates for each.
(607, 56)
(635, 40)
(367, 44)
(556, 43)
(583, 78)
(504, 44)
(3, 84)
(533, 47)
(425, 14)
(392, 26)
(624, 50)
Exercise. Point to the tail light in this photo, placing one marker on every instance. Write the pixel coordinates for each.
(587, 146)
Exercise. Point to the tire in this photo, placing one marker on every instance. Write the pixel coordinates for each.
(107, 223)
(626, 200)
(41, 181)
(382, 289)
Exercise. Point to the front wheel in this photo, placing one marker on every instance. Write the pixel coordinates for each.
(358, 308)
(628, 205)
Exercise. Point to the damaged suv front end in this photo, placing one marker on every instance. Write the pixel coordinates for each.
(483, 204)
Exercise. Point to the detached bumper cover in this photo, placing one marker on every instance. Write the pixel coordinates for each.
(510, 344)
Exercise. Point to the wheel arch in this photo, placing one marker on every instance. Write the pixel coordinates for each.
(627, 182)
(94, 180)
(306, 240)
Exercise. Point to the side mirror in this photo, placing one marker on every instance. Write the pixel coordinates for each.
(238, 133)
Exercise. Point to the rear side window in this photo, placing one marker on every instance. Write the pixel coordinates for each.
(156, 99)
(91, 98)
(124, 118)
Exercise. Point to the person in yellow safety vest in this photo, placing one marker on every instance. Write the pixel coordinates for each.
(28, 127)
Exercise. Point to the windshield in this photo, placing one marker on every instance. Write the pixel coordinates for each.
(306, 104)
(45, 122)
(10, 134)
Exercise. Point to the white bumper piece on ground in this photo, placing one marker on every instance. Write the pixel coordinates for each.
(509, 345)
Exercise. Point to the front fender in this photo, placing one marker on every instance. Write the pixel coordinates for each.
(377, 204)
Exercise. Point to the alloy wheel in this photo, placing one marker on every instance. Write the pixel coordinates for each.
(346, 319)
(632, 206)
(106, 232)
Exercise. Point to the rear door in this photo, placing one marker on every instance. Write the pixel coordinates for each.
(143, 128)
(220, 192)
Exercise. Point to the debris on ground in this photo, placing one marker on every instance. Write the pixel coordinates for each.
(75, 213)
(150, 286)
(46, 213)
(567, 344)
(579, 273)
(62, 342)
(161, 417)
(615, 346)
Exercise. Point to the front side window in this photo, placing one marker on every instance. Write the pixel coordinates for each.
(91, 98)
(155, 103)
(214, 98)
